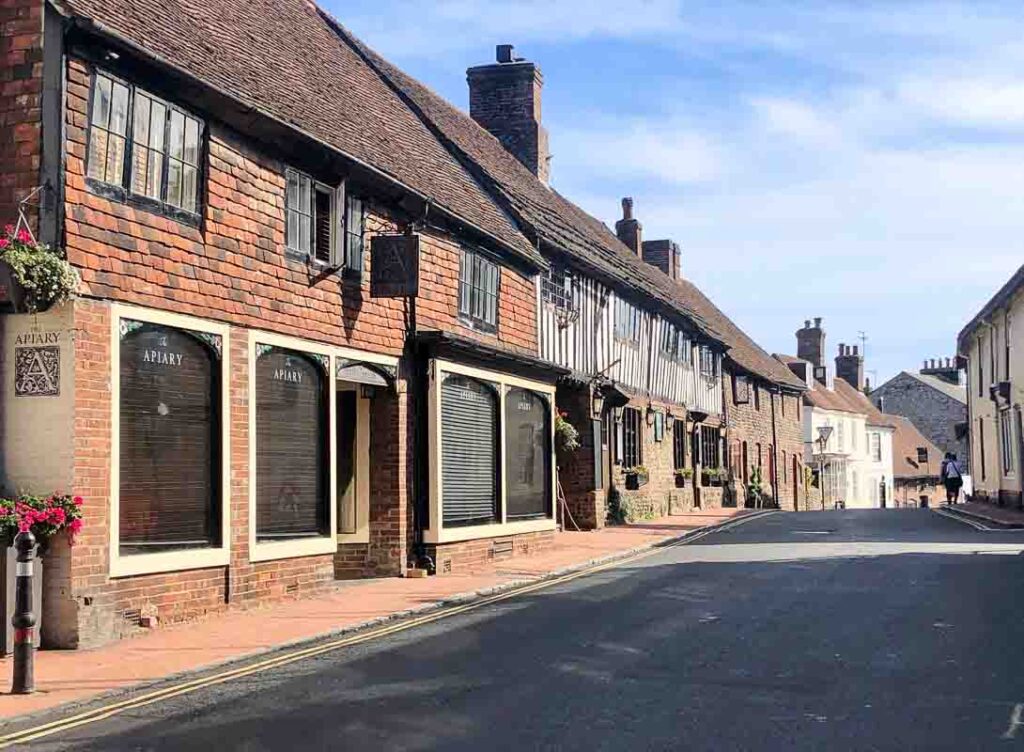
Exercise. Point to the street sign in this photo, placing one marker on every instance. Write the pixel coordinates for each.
(394, 266)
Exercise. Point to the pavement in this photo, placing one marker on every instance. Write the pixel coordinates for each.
(70, 678)
(989, 514)
(853, 629)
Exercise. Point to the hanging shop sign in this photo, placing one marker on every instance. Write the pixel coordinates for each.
(394, 266)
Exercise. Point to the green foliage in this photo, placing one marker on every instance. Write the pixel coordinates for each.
(43, 273)
(567, 437)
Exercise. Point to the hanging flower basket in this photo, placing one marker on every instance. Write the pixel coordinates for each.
(567, 438)
(34, 276)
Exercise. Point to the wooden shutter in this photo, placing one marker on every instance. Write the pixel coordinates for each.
(169, 493)
(291, 445)
(528, 455)
(469, 452)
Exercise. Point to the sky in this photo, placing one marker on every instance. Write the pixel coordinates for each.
(862, 162)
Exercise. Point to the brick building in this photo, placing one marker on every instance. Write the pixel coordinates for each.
(916, 465)
(935, 402)
(325, 318)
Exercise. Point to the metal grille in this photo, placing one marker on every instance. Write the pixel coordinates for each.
(678, 444)
(632, 437)
(469, 453)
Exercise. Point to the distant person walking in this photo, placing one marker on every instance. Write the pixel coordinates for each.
(952, 478)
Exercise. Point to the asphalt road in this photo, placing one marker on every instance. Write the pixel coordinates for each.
(895, 629)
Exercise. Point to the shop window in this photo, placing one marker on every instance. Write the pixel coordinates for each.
(632, 437)
(528, 455)
(678, 444)
(143, 147)
(469, 452)
(478, 291)
(169, 415)
(292, 444)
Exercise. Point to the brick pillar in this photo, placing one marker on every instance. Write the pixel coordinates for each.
(576, 470)
(21, 89)
(388, 550)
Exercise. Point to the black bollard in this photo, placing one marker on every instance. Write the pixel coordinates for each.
(24, 620)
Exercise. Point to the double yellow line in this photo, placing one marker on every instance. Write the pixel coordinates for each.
(184, 688)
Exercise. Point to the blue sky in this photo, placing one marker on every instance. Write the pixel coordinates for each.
(856, 161)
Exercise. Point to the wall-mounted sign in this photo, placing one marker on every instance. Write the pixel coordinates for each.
(742, 389)
(37, 371)
(394, 266)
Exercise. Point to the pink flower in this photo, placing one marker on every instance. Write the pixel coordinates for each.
(78, 501)
(57, 516)
(24, 236)
(23, 526)
(4, 242)
(74, 526)
(9, 230)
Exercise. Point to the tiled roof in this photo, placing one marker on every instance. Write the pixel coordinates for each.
(844, 397)
(283, 59)
(1002, 296)
(553, 219)
(905, 442)
(746, 353)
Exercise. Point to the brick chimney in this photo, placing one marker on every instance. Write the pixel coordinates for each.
(850, 366)
(504, 97)
(810, 343)
(663, 254)
(629, 230)
(946, 369)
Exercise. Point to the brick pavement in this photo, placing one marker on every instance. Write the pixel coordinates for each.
(74, 676)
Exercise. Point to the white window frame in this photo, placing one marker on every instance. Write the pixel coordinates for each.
(167, 561)
(474, 279)
(876, 447)
(436, 532)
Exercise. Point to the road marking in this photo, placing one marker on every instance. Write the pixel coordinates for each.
(1015, 721)
(967, 521)
(812, 532)
(108, 711)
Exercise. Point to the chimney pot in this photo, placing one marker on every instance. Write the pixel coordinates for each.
(627, 208)
(504, 53)
(925, 364)
(855, 349)
(817, 322)
(949, 362)
(807, 323)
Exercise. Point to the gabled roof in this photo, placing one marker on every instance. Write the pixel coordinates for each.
(545, 214)
(844, 397)
(283, 59)
(953, 391)
(743, 351)
(906, 440)
(1004, 294)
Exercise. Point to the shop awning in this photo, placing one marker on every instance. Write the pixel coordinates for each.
(460, 349)
(361, 372)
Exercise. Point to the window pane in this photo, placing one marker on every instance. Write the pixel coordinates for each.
(140, 134)
(101, 102)
(174, 180)
(291, 440)
(115, 160)
(157, 123)
(188, 188)
(291, 194)
(169, 441)
(192, 141)
(322, 240)
(98, 153)
(154, 173)
(119, 110)
(140, 169)
(528, 452)
(304, 233)
(177, 135)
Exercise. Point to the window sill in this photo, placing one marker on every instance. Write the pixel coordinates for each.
(153, 206)
(478, 326)
(497, 530)
(128, 565)
(293, 548)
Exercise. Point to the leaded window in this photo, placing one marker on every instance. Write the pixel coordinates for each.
(627, 321)
(143, 147)
(556, 288)
(478, 291)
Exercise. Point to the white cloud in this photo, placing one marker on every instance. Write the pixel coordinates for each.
(981, 102)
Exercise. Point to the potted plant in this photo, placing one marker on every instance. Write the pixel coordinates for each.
(36, 277)
(712, 476)
(567, 438)
(45, 517)
(636, 477)
(755, 489)
(683, 476)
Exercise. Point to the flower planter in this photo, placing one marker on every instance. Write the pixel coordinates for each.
(635, 481)
(710, 481)
(12, 294)
(682, 481)
(8, 569)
